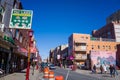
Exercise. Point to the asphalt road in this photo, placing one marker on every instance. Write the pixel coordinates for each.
(71, 75)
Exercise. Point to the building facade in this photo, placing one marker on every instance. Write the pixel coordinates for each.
(13, 42)
(7, 42)
(58, 56)
(51, 56)
(109, 31)
(81, 45)
(115, 17)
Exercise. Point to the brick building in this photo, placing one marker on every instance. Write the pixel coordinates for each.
(81, 45)
(13, 42)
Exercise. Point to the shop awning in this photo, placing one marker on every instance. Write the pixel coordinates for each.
(23, 51)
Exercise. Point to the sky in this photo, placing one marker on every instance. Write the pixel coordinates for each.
(55, 20)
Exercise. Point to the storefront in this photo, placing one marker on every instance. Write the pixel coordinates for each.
(5, 52)
(18, 61)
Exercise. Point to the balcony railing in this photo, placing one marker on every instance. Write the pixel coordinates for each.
(80, 48)
(102, 39)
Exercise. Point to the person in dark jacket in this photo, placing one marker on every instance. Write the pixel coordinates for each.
(114, 70)
(111, 70)
(101, 69)
(94, 68)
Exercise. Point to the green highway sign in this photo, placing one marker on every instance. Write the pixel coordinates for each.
(21, 19)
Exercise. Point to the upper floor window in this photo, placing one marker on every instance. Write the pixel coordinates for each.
(17, 34)
(103, 47)
(109, 47)
(1, 18)
(115, 47)
(92, 46)
(21, 38)
(98, 46)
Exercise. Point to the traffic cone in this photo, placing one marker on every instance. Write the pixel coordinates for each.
(59, 78)
(46, 72)
(51, 75)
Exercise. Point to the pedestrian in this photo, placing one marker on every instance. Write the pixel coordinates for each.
(94, 68)
(111, 70)
(105, 68)
(33, 65)
(101, 69)
(114, 70)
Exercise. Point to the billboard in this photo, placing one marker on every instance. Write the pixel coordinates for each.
(103, 57)
(21, 19)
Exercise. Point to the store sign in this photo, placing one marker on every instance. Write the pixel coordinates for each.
(21, 19)
(58, 56)
(9, 39)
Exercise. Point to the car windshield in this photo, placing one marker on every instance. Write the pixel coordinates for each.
(52, 65)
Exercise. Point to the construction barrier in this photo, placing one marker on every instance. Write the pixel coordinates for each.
(46, 72)
(59, 78)
(51, 75)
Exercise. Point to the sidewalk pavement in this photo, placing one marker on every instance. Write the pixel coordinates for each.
(98, 75)
(22, 75)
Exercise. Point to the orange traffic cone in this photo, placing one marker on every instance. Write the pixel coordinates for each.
(51, 75)
(46, 72)
(59, 78)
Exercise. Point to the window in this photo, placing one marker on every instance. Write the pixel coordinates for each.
(115, 47)
(17, 34)
(1, 18)
(82, 37)
(21, 38)
(92, 47)
(109, 47)
(98, 47)
(103, 47)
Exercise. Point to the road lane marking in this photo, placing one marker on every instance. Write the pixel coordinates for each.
(67, 74)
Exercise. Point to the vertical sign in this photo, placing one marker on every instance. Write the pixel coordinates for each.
(21, 19)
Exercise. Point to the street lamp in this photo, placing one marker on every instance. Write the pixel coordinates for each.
(30, 34)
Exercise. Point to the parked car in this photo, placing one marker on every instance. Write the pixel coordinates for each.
(52, 67)
(82, 66)
(43, 64)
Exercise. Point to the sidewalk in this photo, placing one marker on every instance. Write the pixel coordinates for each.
(22, 75)
(98, 75)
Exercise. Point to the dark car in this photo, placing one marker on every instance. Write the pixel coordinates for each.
(52, 67)
(43, 64)
(82, 66)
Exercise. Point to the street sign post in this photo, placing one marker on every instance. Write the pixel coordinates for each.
(21, 19)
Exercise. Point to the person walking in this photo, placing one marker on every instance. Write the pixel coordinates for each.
(101, 69)
(111, 70)
(94, 68)
(105, 68)
(114, 70)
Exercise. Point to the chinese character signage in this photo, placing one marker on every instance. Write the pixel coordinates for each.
(21, 19)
